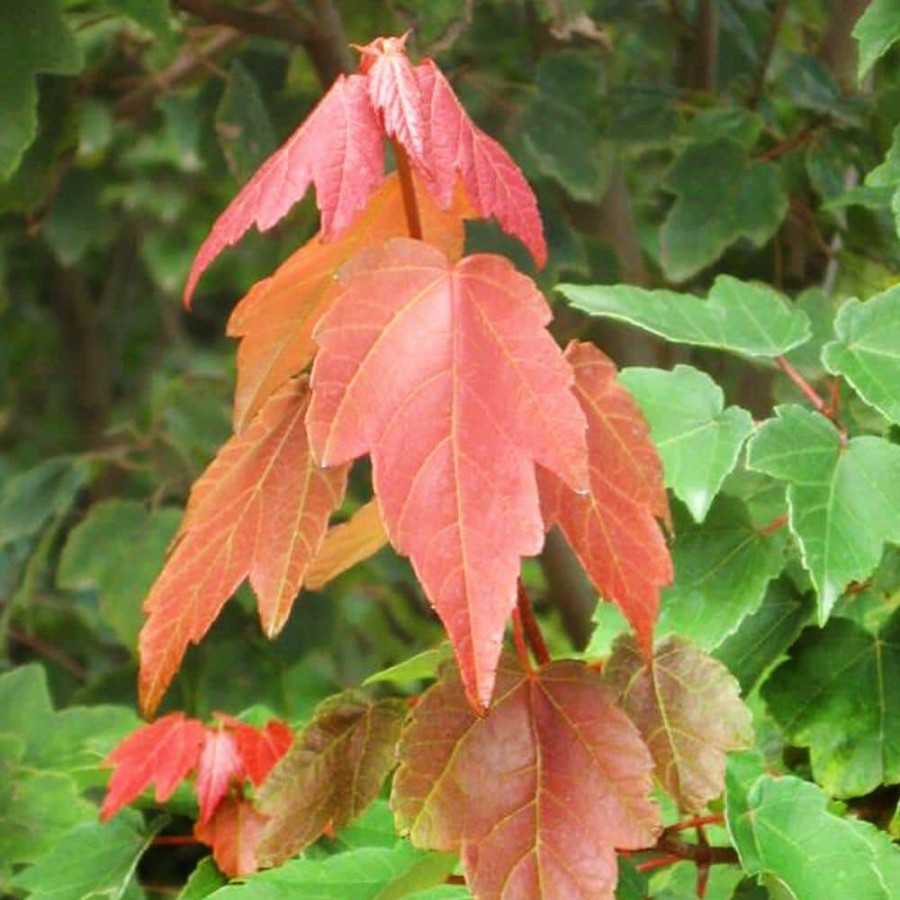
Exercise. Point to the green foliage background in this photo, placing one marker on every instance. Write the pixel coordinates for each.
(678, 147)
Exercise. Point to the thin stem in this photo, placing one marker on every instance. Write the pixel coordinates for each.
(174, 840)
(803, 385)
(408, 190)
(519, 642)
(698, 822)
(659, 862)
(532, 629)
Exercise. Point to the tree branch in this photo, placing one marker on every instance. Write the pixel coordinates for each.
(250, 21)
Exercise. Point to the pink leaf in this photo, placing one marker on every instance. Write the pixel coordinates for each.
(220, 764)
(456, 146)
(338, 148)
(446, 375)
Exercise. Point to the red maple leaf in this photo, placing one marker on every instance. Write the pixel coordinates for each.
(613, 529)
(276, 318)
(447, 377)
(537, 795)
(162, 753)
(339, 149)
(260, 511)
(233, 833)
(220, 765)
(259, 748)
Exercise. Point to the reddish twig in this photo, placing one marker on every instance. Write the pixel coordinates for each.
(408, 190)
(698, 822)
(659, 862)
(532, 629)
(810, 393)
(802, 385)
(175, 840)
(520, 643)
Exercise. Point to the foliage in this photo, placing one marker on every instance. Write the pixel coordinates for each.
(508, 203)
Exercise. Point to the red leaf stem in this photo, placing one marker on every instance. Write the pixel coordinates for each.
(803, 385)
(408, 191)
(530, 625)
(519, 641)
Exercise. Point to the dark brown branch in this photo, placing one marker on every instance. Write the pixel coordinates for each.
(697, 853)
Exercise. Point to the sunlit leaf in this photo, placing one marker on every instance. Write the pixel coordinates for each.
(446, 376)
(698, 438)
(867, 352)
(844, 500)
(750, 319)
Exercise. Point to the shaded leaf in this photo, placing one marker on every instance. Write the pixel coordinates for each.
(698, 439)
(838, 695)
(688, 709)
(559, 125)
(35, 38)
(722, 569)
(219, 765)
(243, 125)
(37, 807)
(116, 550)
(331, 774)
(876, 30)
(867, 352)
(765, 635)
(91, 860)
(613, 529)
(346, 544)
(446, 376)
(529, 817)
(233, 833)
(844, 501)
(781, 829)
(337, 148)
(162, 754)
(751, 319)
(723, 196)
(30, 499)
(276, 318)
(259, 511)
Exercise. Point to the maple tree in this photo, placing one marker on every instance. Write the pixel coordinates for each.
(424, 480)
